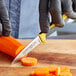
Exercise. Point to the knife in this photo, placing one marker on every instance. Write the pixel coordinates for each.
(35, 43)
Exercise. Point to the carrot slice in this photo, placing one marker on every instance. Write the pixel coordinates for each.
(42, 71)
(51, 74)
(65, 74)
(52, 69)
(65, 69)
(32, 73)
(57, 73)
(55, 70)
(29, 61)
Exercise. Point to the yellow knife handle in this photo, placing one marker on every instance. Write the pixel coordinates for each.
(64, 16)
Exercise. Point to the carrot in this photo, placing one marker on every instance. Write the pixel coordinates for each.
(29, 61)
(51, 74)
(42, 71)
(65, 74)
(54, 70)
(65, 69)
(32, 73)
(51, 71)
(57, 71)
(10, 46)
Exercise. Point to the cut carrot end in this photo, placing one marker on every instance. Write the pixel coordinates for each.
(29, 61)
(19, 50)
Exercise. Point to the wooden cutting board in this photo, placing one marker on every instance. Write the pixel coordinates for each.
(54, 52)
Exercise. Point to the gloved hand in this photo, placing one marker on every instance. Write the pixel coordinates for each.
(69, 8)
(56, 8)
(5, 27)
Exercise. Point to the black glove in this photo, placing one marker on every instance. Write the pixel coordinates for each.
(56, 8)
(69, 7)
(5, 27)
(43, 15)
(74, 5)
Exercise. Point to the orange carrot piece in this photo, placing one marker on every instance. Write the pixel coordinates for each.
(55, 70)
(42, 71)
(52, 69)
(10, 46)
(65, 74)
(51, 74)
(57, 73)
(65, 69)
(29, 61)
(32, 73)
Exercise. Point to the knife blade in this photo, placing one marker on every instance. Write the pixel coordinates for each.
(27, 49)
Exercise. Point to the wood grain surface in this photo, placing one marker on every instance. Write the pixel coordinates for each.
(54, 52)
